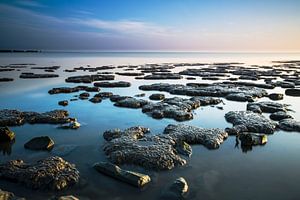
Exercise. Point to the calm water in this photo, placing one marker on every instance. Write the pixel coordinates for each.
(266, 172)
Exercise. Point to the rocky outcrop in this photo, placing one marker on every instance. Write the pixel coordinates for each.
(133, 178)
(158, 152)
(247, 121)
(6, 135)
(266, 107)
(289, 125)
(16, 117)
(52, 173)
(40, 143)
(113, 84)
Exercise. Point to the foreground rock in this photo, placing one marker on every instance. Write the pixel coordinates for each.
(289, 125)
(133, 178)
(4, 195)
(247, 121)
(52, 173)
(6, 135)
(16, 117)
(40, 143)
(177, 191)
(158, 152)
(252, 139)
(113, 84)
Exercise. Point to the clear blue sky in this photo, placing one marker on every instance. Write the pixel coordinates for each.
(197, 25)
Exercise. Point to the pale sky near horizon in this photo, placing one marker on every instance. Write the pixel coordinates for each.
(177, 25)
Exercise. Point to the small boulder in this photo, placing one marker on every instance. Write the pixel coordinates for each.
(293, 92)
(289, 125)
(280, 115)
(178, 190)
(40, 143)
(157, 96)
(276, 96)
(6, 135)
(63, 103)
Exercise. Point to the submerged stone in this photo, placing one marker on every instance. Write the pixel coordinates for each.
(40, 143)
(289, 125)
(133, 178)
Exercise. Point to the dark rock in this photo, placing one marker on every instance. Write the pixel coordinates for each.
(4, 195)
(74, 89)
(112, 84)
(247, 121)
(280, 115)
(162, 76)
(130, 73)
(157, 96)
(133, 178)
(52, 173)
(32, 75)
(289, 125)
(239, 97)
(177, 191)
(266, 107)
(95, 100)
(293, 92)
(90, 78)
(40, 143)
(6, 79)
(6, 135)
(104, 95)
(84, 95)
(63, 103)
(131, 102)
(73, 124)
(140, 95)
(252, 139)
(276, 96)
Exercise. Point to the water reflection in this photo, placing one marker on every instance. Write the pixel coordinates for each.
(6, 147)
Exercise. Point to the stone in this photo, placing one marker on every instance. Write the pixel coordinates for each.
(266, 107)
(113, 84)
(293, 92)
(239, 97)
(40, 143)
(16, 117)
(73, 124)
(133, 178)
(90, 78)
(32, 75)
(73, 89)
(140, 95)
(63, 103)
(68, 197)
(6, 135)
(95, 99)
(162, 76)
(276, 96)
(247, 121)
(157, 96)
(53, 173)
(289, 125)
(130, 73)
(84, 95)
(5, 195)
(131, 102)
(177, 190)
(6, 79)
(252, 139)
(280, 115)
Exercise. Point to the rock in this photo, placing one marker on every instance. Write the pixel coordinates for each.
(63, 103)
(131, 102)
(104, 95)
(177, 191)
(84, 95)
(162, 76)
(133, 178)
(158, 152)
(130, 73)
(266, 107)
(40, 143)
(32, 75)
(95, 100)
(252, 139)
(52, 173)
(210, 138)
(289, 125)
(280, 115)
(205, 101)
(239, 97)
(6, 147)
(140, 95)
(112, 84)
(68, 197)
(71, 125)
(276, 96)
(15, 117)
(4, 195)
(293, 92)
(6, 79)
(157, 96)
(6, 135)
(90, 78)
(74, 89)
(247, 121)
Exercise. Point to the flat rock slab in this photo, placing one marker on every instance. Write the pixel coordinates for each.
(293, 92)
(247, 121)
(266, 107)
(133, 178)
(40, 143)
(112, 84)
(16, 117)
(280, 115)
(289, 125)
(158, 152)
(34, 76)
(52, 173)
(89, 78)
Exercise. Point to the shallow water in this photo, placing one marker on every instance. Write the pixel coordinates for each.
(265, 172)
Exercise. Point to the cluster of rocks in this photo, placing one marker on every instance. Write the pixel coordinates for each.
(16, 117)
(53, 173)
(158, 152)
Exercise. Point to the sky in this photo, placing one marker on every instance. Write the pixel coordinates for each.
(151, 25)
